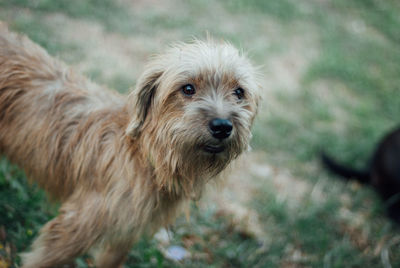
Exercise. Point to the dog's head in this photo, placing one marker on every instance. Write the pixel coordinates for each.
(192, 111)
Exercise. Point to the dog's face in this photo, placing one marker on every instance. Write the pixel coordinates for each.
(193, 109)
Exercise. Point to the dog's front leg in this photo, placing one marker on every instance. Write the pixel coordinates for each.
(78, 227)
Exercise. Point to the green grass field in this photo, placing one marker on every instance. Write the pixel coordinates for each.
(331, 81)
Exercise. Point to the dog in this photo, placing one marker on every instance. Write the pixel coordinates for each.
(382, 172)
(121, 166)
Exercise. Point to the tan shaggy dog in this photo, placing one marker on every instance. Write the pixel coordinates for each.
(121, 166)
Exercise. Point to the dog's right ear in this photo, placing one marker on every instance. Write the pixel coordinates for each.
(140, 100)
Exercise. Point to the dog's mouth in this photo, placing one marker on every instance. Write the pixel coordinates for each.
(214, 149)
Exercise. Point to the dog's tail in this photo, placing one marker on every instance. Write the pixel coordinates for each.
(22, 62)
(343, 171)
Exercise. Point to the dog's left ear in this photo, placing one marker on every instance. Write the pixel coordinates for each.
(140, 100)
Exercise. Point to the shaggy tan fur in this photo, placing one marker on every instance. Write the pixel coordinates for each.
(121, 166)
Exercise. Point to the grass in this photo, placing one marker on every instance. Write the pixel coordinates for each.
(284, 10)
(365, 65)
(99, 11)
(347, 97)
(19, 204)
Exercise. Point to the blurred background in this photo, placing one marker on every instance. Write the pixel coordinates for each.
(331, 81)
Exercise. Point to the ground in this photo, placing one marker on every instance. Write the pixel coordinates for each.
(330, 81)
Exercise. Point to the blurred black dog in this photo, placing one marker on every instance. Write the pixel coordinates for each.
(382, 172)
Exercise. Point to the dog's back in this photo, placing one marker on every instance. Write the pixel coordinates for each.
(385, 170)
(64, 107)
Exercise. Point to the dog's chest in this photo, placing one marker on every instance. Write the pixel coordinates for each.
(144, 213)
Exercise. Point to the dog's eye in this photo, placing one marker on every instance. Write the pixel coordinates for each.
(188, 90)
(239, 92)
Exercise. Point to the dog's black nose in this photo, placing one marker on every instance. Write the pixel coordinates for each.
(220, 128)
